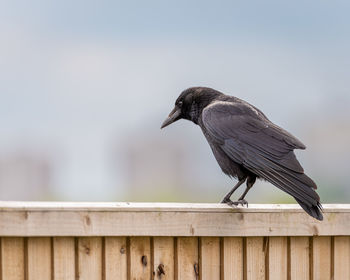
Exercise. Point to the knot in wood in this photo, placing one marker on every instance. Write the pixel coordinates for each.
(87, 249)
(87, 220)
(196, 269)
(122, 250)
(161, 269)
(144, 260)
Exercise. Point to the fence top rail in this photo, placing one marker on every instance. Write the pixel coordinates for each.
(167, 219)
(159, 207)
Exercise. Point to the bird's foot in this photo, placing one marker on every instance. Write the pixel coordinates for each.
(242, 202)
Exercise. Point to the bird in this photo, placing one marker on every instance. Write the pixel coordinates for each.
(247, 145)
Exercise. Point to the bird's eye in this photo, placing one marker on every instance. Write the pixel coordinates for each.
(180, 103)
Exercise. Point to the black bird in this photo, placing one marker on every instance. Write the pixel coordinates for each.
(247, 145)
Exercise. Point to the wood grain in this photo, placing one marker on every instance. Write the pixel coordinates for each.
(63, 258)
(115, 258)
(232, 258)
(278, 257)
(255, 258)
(164, 255)
(187, 258)
(89, 258)
(342, 257)
(39, 258)
(69, 219)
(192, 241)
(299, 258)
(209, 258)
(12, 258)
(140, 258)
(321, 258)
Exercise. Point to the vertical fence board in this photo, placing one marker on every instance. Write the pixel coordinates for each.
(12, 258)
(39, 258)
(232, 258)
(140, 258)
(278, 258)
(115, 258)
(342, 257)
(209, 258)
(163, 255)
(255, 258)
(187, 258)
(63, 258)
(90, 258)
(299, 258)
(321, 257)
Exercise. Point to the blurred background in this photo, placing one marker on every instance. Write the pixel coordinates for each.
(85, 86)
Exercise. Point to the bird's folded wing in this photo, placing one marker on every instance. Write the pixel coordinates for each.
(265, 149)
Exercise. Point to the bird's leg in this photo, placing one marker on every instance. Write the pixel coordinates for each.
(241, 200)
(227, 197)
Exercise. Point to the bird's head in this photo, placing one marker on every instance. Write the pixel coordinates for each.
(190, 104)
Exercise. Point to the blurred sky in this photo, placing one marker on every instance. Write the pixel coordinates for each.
(85, 85)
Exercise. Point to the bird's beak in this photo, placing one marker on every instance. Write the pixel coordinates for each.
(173, 117)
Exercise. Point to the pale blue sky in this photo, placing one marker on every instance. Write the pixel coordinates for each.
(78, 77)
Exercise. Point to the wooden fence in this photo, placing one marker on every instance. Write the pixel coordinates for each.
(103, 241)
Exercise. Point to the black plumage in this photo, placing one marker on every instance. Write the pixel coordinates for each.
(247, 145)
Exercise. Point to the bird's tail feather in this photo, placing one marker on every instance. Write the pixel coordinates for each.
(304, 194)
(298, 185)
(314, 210)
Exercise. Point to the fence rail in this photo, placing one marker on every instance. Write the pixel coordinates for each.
(103, 241)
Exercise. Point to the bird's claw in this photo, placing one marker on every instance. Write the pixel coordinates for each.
(242, 202)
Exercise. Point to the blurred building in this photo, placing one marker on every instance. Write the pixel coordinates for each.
(328, 155)
(24, 176)
(152, 166)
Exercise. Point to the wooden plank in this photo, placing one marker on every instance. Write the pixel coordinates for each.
(63, 258)
(158, 223)
(115, 258)
(278, 258)
(39, 258)
(140, 258)
(342, 257)
(89, 258)
(209, 258)
(299, 258)
(321, 255)
(255, 258)
(159, 207)
(12, 258)
(163, 255)
(187, 258)
(232, 258)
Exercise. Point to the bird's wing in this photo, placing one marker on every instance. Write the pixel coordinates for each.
(241, 127)
(262, 147)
